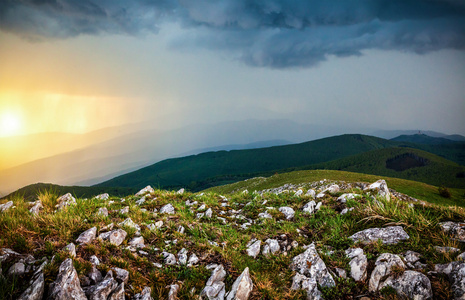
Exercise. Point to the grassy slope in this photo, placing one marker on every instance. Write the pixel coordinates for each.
(419, 190)
(46, 234)
(438, 171)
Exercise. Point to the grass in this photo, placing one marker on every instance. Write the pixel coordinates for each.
(45, 235)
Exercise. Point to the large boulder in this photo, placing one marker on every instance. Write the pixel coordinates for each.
(242, 287)
(66, 286)
(388, 235)
(410, 285)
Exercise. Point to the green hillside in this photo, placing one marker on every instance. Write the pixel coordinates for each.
(418, 190)
(422, 139)
(406, 163)
(188, 171)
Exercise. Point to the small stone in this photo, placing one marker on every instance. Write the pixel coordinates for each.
(124, 210)
(193, 259)
(446, 250)
(66, 285)
(174, 288)
(87, 236)
(17, 269)
(103, 211)
(411, 285)
(102, 196)
(137, 242)
(298, 193)
(382, 189)
(271, 246)
(358, 264)
(182, 256)
(146, 190)
(94, 275)
(383, 266)
(144, 295)
(36, 288)
(265, 215)
(180, 191)
(71, 249)
(341, 273)
(65, 200)
(167, 209)
(310, 193)
(170, 259)
(242, 287)
(253, 248)
(36, 208)
(122, 275)
(129, 223)
(309, 207)
(287, 211)
(94, 260)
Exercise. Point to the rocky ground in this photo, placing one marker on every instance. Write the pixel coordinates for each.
(320, 240)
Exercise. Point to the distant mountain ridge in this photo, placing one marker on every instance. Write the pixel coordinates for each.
(197, 171)
(421, 138)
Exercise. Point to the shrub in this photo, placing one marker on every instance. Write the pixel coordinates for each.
(444, 192)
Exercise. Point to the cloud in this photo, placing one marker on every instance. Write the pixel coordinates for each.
(266, 33)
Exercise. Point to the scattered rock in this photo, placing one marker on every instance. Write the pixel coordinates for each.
(209, 213)
(242, 287)
(193, 259)
(410, 285)
(456, 273)
(124, 210)
(35, 210)
(67, 285)
(170, 259)
(309, 207)
(388, 235)
(118, 293)
(457, 230)
(71, 249)
(265, 215)
(147, 190)
(253, 248)
(6, 206)
(358, 264)
(115, 237)
(137, 242)
(287, 211)
(333, 189)
(271, 246)
(182, 256)
(180, 191)
(167, 209)
(121, 275)
(144, 295)
(94, 275)
(341, 273)
(344, 197)
(103, 211)
(36, 288)
(65, 200)
(446, 250)
(129, 223)
(102, 196)
(310, 193)
(215, 288)
(381, 187)
(87, 236)
(17, 269)
(298, 193)
(383, 266)
(174, 288)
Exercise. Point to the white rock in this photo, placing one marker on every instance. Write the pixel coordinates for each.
(381, 187)
(253, 248)
(167, 209)
(87, 236)
(66, 285)
(102, 196)
(310, 193)
(242, 287)
(309, 207)
(388, 235)
(383, 266)
(411, 285)
(146, 190)
(358, 264)
(287, 211)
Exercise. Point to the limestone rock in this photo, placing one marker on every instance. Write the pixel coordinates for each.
(115, 237)
(17, 269)
(66, 286)
(6, 206)
(71, 249)
(148, 189)
(383, 266)
(287, 211)
(121, 275)
(271, 246)
(137, 242)
(35, 210)
(87, 236)
(174, 288)
(65, 200)
(410, 285)
(170, 259)
(333, 189)
(215, 288)
(144, 295)
(242, 287)
(344, 197)
(102, 196)
(298, 193)
(129, 223)
(124, 210)
(103, 211)
(36, 288)
(103, 289)
(167, 209)
(381, 187)
(94, 275)
(456, 273)
(265, 215)
(358, 264)
(118, 293)
(253, 248)
(309, 207)
(446, 249)
(457, 230)
(310, 193)
(193, 259)
(388, 235)
(180, 191)
(182, 256)
(311, 265)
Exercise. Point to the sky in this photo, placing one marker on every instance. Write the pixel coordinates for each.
(77, 66)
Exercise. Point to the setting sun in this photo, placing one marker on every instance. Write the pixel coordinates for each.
(10, 124)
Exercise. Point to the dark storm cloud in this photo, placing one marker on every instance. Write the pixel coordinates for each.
(269, 33)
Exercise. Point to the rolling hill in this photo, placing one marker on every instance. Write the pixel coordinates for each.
(215, 168)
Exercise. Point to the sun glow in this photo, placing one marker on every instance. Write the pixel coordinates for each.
(10, 124)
